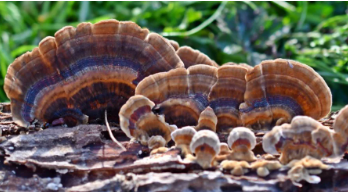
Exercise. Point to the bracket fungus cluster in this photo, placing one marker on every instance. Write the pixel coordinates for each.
(304, 136)
(158, 91)
(81, 72)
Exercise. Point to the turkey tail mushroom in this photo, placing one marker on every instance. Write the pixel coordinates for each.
(83, 71)
(278, 90)
(192, 57)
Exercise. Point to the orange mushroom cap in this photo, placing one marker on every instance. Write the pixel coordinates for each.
(85, 70)
(207, 120)
(180, 94)
(138, 121)
(277, 90)
(227, 94)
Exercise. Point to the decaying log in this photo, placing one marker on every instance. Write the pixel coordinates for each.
(84, 158)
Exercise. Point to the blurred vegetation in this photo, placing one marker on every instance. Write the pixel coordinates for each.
(314, 33)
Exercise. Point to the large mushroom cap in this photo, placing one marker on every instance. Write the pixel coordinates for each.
(192, 57)
(138, 121)
(277, 90)
(227, 94)
(84, 71)
(304, 136)
(180, 94)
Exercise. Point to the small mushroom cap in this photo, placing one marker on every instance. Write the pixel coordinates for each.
(270, 165)
(85, 70)
(192, 57)
(183, 136)
(262, 171)
(207, 120)
(241, 136)
(304, 136)
(156, 141)
(224, 149)
(277, 90)
(227, 94)
(206, 138)
(138, 121)
(237, 168)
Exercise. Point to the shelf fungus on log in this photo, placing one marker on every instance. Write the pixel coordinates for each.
(192, 57)
(183, 137)
(227, 94)
(138, 121)
(304, 136)
(241, 141)
(75, 76)
(277, 90)
(205, 145)
(180, 94)
(341, 131)
(207, 120)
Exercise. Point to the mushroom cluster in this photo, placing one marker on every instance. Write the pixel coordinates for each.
(306, 136)
(158, 91)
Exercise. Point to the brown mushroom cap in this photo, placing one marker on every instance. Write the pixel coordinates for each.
(180, 94)
(241, 140)
(277, 90)
(183, 136)
(192, 57)
(304, 136)
(84, 71)
(206, 145)
(227, 94)
(139, 122)
(241, 136)
(207, 120)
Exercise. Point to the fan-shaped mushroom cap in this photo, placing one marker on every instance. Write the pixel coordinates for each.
(341, 128)
(84, 71)
(304, 136)
(227, 94)
(277, 90)
(207, 120)
(183, 136)
(192, 57)
(241, 140)
(180, 94)
(174, 44)
(241, 136)
(139, 122)
(206, 145)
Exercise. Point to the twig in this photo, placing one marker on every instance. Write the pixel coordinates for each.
(110, 133)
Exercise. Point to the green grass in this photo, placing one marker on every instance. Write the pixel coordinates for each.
(314, 33)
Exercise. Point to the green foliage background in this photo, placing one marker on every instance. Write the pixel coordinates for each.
(314, 33)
